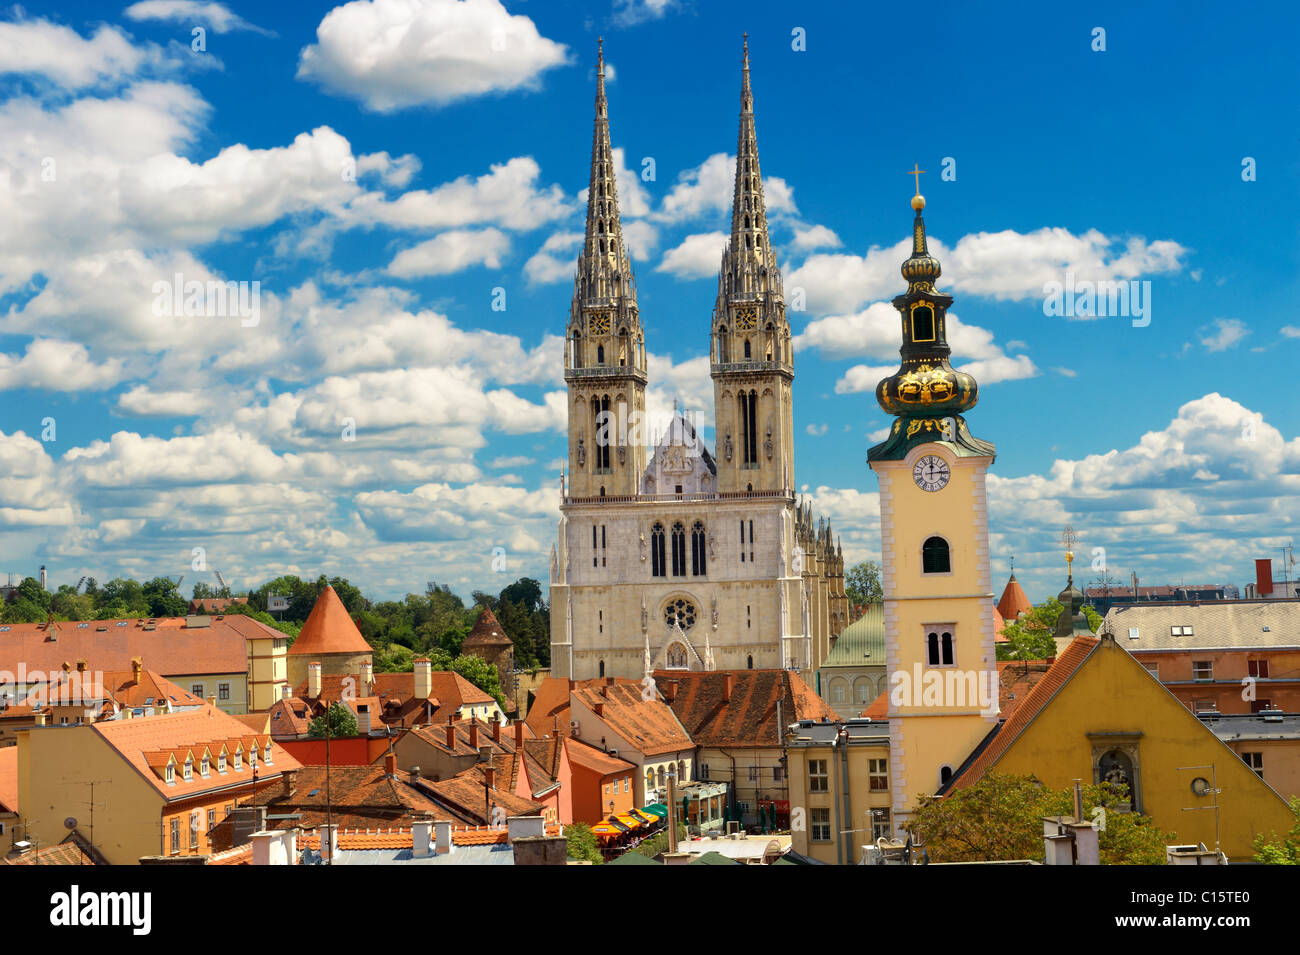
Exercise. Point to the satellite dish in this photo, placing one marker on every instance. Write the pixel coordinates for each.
(1200, 785)
(70, 822)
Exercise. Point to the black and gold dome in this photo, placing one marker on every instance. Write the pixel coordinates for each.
(926, 393)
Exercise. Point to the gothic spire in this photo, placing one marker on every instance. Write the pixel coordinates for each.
(749, 265)
(604, 270)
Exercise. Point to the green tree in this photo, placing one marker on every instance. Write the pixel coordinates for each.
(31, 590)
(164, 599)
(658, 842)
(1030, 637)
(1000, 817)
(1284, 851)
(342, 723)
(582, 843)
(862, 584)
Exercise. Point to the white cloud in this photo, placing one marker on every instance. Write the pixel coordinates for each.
(1229, 331)
(63, 56)
(1000, 265)
(450, 252)
(216, 16)
(556, 260)
(1291, 331)
(815, 237)
(394, 54)
(707, 189)
(816, 429)
(55, 365)
(697, 257)
(632, 12)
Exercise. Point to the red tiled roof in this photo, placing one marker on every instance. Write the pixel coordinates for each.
(435, 734)
(465, 795)
(550, 709)
(878, 709)
(749, 719)
(214, 604)
(73, 850)
(141, 742)
(400, 838)
(1014, 601)
(648, 725)
(172, 648)
(1033, 703)
(591, 758)
(329, 629)
(359, 796)
(487, 632)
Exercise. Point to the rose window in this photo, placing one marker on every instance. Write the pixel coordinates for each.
(680, 613)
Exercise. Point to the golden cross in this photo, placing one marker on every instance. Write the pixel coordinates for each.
(917, 171)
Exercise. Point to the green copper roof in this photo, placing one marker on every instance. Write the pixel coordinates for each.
(909, 431)
(861, 643)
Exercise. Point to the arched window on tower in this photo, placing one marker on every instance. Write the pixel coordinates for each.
(679, 550)
(602, 668)
(749, 662)
(622, 347)
(934, 556)
(602, 428)
(577, 349)
(600, 354)
(748, 356)
(698, 555)
(657, 551)
(723, 355)
(749, 425)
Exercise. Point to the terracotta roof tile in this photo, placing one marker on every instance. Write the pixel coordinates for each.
(487, 632)
(649, 725)
(1014, 601)
(749, 717)
(593, 759)
(329, 629)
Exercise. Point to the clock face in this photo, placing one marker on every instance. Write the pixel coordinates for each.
(931, 473)
(599, 324)
(747, 319)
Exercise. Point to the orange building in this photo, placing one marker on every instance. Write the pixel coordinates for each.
(601, 784)
(156, 785)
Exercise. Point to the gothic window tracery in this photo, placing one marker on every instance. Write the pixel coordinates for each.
(680, 613)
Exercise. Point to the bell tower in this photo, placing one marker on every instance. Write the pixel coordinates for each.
(604, 355)
(751, 361)
(938, 599)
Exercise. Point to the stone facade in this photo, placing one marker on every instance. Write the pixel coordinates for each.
(693, 559)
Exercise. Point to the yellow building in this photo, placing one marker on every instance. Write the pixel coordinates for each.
(938, 598)
(1099, 715)
(142, 787)
(840, 794)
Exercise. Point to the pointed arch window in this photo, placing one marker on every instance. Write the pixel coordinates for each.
(935, 558)
(657, 551)
(748, 356)
(602, 426)
(723, 354)
(698, 554)
(602, 669)
(749, 424)
(600, 354)
(577, 349)
(679, 550)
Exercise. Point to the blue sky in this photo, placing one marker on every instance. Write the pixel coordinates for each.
(381, 190)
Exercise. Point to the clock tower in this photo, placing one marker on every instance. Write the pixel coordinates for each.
(751, 360)
(604, 355)
(938, 599)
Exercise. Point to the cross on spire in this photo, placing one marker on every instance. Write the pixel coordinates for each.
(917, 172)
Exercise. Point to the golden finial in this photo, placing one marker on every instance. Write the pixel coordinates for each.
(918, 200)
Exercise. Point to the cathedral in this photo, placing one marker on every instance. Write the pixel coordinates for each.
(669, 555)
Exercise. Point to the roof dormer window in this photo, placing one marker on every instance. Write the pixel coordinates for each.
(221, 762)
(205, 767)
(188, 774)
(266, 753)
(170, 774)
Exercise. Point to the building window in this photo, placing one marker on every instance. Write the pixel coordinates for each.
(680, 613)
(778, 774)
(602, 669)
(649, 779)
(1256, 762)
(880, 828)
(171, 775)
(753, 774)
(212, 819)
(657, 551)
(820, 825)
(1257, 669)
(749, 424)
(1202, 670)
(204, 767)
(194, 830)
(601, 418)
(1180, 631)
(223, 691)
(878, 773)
(818, 777)
(176, 837)
(934, 556)
(221, 762)
(837, 694)
(679, 550)
(939, 649)
(749, 662)
(188, 773)
(751, 539)
(945, 775)
(197, 689)
(698, 555)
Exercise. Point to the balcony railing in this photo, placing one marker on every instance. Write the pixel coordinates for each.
(757, 367)
(788, 495)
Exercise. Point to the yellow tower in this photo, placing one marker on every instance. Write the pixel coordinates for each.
(938, 604)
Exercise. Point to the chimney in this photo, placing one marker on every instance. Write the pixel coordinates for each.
(212, 700)
(520, 827)
(442, 830)
(473, 733)
(1264, 577)
(604, 690)
(288, 778)
(413, 775)
(285, 692)
(728, 686)
(390, 764)
(496, 731)
(423, 678)
(599, 708)
(363, 719)
(490, 776)
(313, 681)
(669, 690)
(275, 847)
(519, 734)
(451, 736)
(137, 665)
(422, 845)
(81, 665)
(329, 841)
(367, 677)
